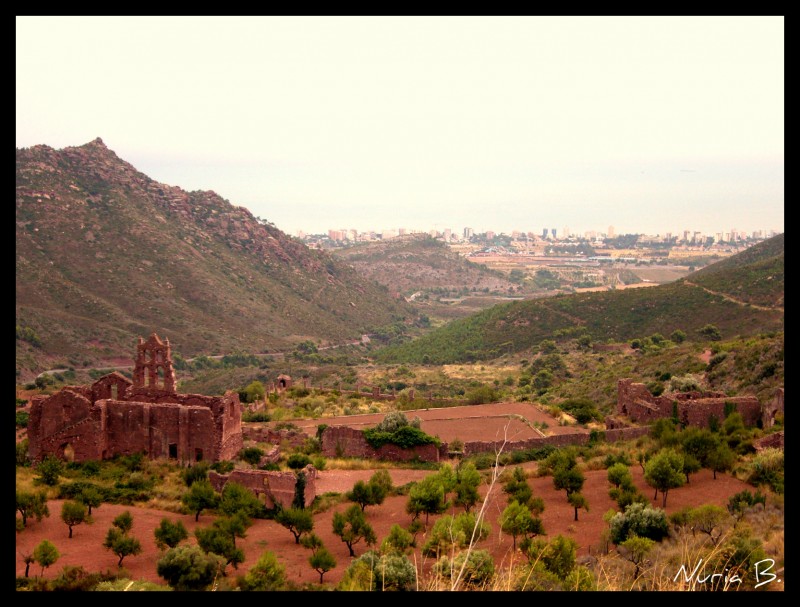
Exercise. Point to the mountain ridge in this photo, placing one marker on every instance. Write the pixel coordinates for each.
(105, 253)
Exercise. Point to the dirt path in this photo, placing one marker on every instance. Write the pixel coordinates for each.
(734, 300)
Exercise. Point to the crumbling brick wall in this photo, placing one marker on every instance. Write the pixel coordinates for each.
(274, 487)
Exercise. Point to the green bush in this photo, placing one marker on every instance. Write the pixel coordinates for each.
(298, 460)
(22, 419)
(405, 437)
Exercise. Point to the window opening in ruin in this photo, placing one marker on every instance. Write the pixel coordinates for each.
(198, 455)
(114, 392)
(160, 373)
(173, 450)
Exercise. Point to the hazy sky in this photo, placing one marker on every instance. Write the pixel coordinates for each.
(649, 124)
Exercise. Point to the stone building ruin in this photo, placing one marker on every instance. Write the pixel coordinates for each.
(635, 402)
(116, 416)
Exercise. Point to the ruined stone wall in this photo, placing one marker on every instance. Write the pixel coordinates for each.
(772, 408)
(774, 440)
(114, 385)
(633, 400)
(698, 412)
(556, 440)
(273, 487)
(165, 430)
(694, 408)
(65, 418)
(341, 441)
(228, 418)
(258, 432)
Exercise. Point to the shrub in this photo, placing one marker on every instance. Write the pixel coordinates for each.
(479, 569)
(296, 461)
(639, 519)
(372, 571)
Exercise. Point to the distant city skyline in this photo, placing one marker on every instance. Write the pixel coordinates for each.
(467, 232)
(650, 124)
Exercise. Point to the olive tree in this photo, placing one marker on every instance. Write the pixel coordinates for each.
(73, 513)
(297, 520)
(352, 527)
(664, 471)
(45, 554)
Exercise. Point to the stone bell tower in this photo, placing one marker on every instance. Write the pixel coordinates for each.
(153, 368)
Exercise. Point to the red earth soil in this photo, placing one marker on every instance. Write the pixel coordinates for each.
(85, 548)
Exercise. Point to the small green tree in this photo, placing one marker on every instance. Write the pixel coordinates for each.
(455, 532)
(123, 521)
(720, 459)
(219, 542)
(678, 336)
(352, 527)
(710, 332)
(28, 559)
(517, 487)
(619, 475)
(709, 519)
(515, 520)
(267, 574)
(32, 504)
(238, 498)
(169, 534)
(740, 502)
(121, 544)
(201, 495)
(322, 561)
(569, 479)
(635, 549)
(398, 540)
(254, 392)
(690, 465)
(560, 556)
(426, 497)
(49, 470)
(664, 471)
(45, 554)
(468, 479)
(366, 494)
(235, 525)
(91, 497)
(577, 500)
(73, 513)
(297, 520)
(189, 568)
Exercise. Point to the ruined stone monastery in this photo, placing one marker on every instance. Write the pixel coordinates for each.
(116, 416)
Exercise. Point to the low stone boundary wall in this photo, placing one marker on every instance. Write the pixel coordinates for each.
(341, 441)
(277, 488)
